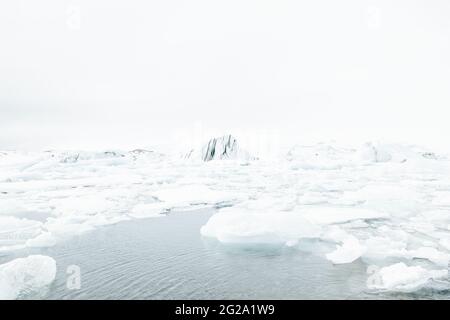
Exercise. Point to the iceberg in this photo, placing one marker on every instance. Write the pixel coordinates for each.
(232, 225)
(349, 251)
(221, 148)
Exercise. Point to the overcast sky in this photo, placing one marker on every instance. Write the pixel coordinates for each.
(132, 73)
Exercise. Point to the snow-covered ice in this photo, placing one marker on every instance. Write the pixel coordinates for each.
(379, 203)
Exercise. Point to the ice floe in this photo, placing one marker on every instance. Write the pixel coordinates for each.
(221, 148)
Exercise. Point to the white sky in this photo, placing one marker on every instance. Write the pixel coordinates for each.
(131, 73)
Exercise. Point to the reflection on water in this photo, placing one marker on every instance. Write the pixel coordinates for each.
(166, 258)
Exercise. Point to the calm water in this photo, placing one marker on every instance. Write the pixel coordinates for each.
(166, 258)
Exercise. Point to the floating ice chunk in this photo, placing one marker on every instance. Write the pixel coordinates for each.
(400, 277)
(26, 276)
(330, 215)
(45, 239)
(349, 251)
(233, 225)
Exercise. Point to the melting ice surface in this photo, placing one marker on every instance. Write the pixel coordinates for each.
(385, 206)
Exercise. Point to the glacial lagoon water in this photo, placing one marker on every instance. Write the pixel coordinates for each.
(167, 258)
